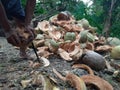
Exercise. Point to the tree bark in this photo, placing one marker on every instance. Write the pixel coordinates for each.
(107, 25)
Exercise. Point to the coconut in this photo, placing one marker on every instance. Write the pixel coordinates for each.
(90, 37)
(69, 36)
(113, 41)
(54, 43)
(94, 60)
(85, 35)
(115, 53)
(84, 22)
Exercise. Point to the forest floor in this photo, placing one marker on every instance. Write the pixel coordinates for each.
(13, 70)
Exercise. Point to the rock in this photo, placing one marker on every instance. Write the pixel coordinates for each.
(94, 60)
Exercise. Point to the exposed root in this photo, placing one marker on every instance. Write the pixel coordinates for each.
(83, 66)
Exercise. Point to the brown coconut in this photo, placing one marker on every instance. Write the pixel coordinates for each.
(94, 60)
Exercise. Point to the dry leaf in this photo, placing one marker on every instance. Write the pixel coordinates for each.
(44, 81)
(25, 83)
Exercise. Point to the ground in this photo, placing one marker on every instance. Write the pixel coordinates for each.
(13, 69)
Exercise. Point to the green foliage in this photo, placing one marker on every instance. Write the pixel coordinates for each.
(96, 14)
(23, 2)
(38, 9)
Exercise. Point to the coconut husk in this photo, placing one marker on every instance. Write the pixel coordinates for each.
(98, 82)
(73, 80)
(83, 66)
(65, 55)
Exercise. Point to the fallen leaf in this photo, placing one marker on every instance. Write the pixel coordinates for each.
(25, 83)
(47, 85)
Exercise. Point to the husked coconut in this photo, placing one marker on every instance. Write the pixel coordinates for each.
(94, 60)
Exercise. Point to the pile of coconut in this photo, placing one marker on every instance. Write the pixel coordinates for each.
(77, 41)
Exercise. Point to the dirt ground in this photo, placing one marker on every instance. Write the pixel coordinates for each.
(13, 70)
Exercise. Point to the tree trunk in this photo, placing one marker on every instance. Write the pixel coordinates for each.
(107, 25)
